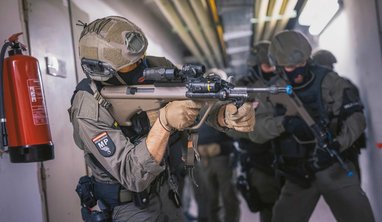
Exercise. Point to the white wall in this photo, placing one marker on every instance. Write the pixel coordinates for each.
(51, 35)
(353, 37)
(19, 182)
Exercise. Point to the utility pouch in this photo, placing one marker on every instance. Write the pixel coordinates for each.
(94, 216)
(141, 199)
(85, 190)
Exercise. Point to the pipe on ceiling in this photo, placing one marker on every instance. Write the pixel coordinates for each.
(189, 18)
(274, 16)
(173, 18)
(200, 8)
(262, 6)
(218, 26)
(286, 15)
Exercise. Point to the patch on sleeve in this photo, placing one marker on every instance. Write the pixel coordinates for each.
(104, 144)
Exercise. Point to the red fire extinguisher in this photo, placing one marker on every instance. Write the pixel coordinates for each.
(25, 129)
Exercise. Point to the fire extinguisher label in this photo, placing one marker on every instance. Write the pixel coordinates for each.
(37, 102)
(104, 144)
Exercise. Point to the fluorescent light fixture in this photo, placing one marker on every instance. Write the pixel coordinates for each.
(236, 35)
(238, 49)
(293, 14)
(237, 62)
(317, 14)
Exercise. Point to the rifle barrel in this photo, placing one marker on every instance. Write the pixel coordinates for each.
(272, 89)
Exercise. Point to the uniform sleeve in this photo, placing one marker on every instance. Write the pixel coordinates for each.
(132, 165)
(267, 126)
(333, 88)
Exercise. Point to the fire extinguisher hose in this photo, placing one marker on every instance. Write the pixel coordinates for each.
(3, 120)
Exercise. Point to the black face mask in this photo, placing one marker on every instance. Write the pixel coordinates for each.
(135, 76)
(295, 73)
(268, 75)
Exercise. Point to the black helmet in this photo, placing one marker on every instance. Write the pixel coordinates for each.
(325, 58)
(289, 48)
(259, 54)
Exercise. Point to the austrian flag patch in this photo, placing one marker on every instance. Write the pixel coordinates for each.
(104, 144)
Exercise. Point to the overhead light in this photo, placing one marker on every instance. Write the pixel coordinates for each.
(317, 14)
(237, 62)
(293, 14)
(238, 49)
(236, 35)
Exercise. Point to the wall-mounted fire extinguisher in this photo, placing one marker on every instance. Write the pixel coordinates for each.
(25, 132)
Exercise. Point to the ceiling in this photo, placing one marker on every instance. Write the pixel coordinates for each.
(220, 33)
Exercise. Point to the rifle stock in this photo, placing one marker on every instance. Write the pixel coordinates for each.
(127, 100)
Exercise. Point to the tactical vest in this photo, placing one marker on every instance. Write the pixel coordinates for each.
(311, 97)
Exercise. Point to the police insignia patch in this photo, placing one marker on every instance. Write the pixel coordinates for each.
(104, 144)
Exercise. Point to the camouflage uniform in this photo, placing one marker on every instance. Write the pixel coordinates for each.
(215, 175)
(257, 158)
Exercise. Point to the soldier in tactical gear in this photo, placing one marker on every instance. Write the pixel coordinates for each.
(324, 58)
(257, 181)
(311, 172)
(133, 166)
(215, 173)
(327, 59)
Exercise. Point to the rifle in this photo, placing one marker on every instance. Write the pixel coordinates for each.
(322, 135)
(169, 84)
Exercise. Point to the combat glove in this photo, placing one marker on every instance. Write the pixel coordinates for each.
(324, 159)
(241, 119)
(178, 115)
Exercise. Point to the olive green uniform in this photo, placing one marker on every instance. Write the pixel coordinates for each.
(216, 191)
(261, 177)
(129, 164)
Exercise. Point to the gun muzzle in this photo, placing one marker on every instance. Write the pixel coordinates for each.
(272, 89)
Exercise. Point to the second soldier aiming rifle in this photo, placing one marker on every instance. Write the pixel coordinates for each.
(322, 135)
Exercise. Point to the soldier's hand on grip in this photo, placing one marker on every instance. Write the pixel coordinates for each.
(241, 119)
(179, 114)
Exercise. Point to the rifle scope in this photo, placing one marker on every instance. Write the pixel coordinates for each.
(162, 74)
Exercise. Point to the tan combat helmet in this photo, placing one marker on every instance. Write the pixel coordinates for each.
(110, 44)
(289, 48)
(259, 54)
(324, 58)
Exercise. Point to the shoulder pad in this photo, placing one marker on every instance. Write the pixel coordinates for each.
(86, 105)
(84, 85)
